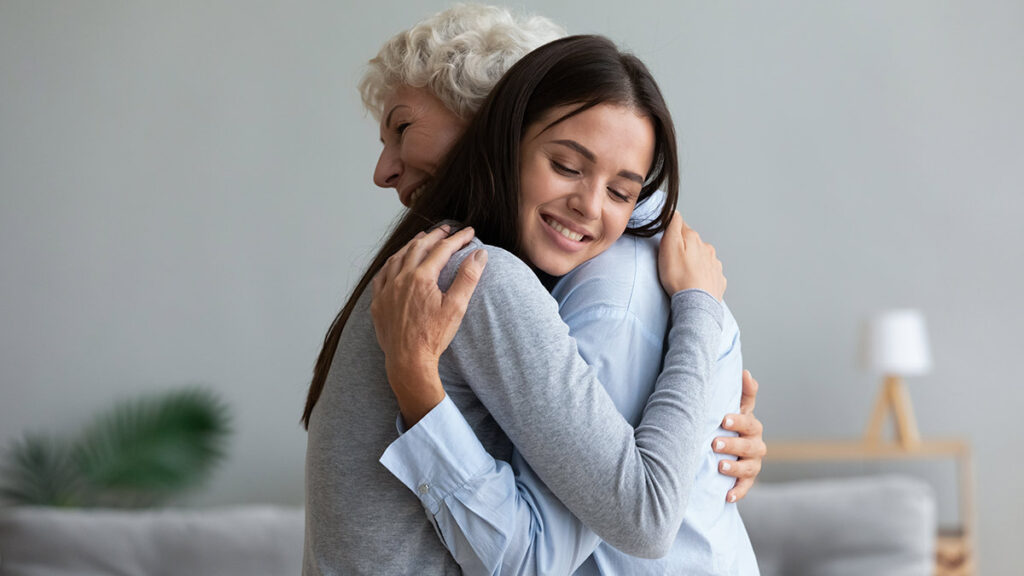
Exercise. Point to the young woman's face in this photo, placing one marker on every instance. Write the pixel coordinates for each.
(417, 131)
(580, 180)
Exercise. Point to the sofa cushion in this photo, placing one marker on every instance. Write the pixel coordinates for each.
(239, 541)
(878, 525)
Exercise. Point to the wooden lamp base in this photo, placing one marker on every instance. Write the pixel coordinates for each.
(894, 396)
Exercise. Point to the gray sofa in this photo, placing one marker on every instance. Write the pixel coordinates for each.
(877, 526)
(869, 526)
(251, 541)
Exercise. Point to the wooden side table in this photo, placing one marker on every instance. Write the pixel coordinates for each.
(954, 551)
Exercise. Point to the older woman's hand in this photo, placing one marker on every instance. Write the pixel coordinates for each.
(685, 261)
(749, 447)
(415, 322)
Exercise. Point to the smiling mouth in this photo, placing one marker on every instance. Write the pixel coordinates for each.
(409, 198)
(417, 192)
(574, 236)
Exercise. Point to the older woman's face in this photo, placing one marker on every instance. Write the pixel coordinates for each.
(417, 130)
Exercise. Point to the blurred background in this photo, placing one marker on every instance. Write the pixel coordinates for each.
(186, 198)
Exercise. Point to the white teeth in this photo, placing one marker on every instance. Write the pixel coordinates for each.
(416, 193)
(564, 231)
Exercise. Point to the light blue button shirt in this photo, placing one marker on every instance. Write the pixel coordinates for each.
(499, 518)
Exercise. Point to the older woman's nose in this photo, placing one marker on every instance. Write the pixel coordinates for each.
(388, 170)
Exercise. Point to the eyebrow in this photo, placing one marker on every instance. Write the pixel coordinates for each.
(586, 153)
(387, 121)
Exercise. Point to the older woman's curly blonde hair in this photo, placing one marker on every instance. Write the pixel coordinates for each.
(458, 54)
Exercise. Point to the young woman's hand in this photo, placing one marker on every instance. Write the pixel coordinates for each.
(749, 446)
(685, 261)
(415, 322)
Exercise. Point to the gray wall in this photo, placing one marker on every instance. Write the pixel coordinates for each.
(185, 197)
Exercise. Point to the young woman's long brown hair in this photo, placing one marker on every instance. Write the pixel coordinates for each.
(479, 184)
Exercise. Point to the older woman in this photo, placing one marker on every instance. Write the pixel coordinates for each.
(437, 73)
(355, 513)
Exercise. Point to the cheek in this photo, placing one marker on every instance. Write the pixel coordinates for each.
(434, 145)
(617, 221)
(422, 152)
(526, 188)
(537, 185)
(449, 136)
(530, 225)
(525, 213)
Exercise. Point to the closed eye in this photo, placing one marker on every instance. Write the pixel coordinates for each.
(562, 169)
(401, 127)
(619, 195)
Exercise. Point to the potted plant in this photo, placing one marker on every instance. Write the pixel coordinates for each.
(139, 453)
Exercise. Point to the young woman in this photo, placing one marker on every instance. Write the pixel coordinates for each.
(571, 207)
(513, 364)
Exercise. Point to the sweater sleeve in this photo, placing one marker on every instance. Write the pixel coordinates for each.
(630, 486)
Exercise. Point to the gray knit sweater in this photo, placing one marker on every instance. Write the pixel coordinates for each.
(514, 372)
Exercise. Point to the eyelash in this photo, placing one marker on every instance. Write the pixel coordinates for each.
(619, 195)
(400, 128)
(570, 172)
(562, 169)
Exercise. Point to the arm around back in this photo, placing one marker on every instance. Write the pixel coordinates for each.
(629, 486)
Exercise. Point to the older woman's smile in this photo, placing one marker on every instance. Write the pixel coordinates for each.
(417, 131)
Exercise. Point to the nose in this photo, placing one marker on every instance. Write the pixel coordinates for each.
(389, 168)
(588, 201)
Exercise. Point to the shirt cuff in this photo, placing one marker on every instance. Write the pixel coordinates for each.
(437, 455)
(697, 299)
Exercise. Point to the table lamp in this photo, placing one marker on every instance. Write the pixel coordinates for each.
(895, 346)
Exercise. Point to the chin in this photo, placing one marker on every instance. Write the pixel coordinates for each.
(552, 262)
(555, 268)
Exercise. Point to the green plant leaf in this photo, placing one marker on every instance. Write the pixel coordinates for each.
(37, 470)
(136, 454)
(142, 451)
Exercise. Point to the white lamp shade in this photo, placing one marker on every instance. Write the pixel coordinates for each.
(896, 344)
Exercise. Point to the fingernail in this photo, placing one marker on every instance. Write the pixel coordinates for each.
(446, 228)
(719, 444)
(732, 497)
(726, 466)
(728, 422)
(420, 234)
(480, 256)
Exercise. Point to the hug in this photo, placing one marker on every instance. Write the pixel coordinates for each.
(533, 374)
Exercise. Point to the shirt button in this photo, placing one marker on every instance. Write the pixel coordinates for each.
(424, 488)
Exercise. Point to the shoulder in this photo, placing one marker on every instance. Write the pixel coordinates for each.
(623, 280)
(506, 280)
(501, 264)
